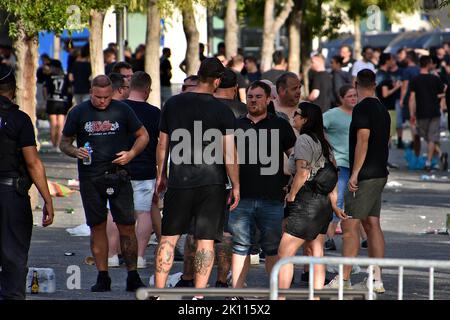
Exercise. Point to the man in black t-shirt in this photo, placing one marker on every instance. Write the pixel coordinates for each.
(424, 107)
(226, 93)
(387, 89)
(19, 160)
(143, 167)
(369, 151)
(165, 70)
(56, 92)
(262, 181)
(195, 130)
(106, 125)
(321, 84)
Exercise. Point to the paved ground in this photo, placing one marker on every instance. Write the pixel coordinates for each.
(408, 210)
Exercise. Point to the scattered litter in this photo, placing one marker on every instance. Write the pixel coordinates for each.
(423, 217)
(418, 163)
(73, 184)
(69, 254)
(58, 190)
(82, 230)
(89, 261)
(431, 221)
(69, 210)
(425, 177)
(38, 207)
(393, 184)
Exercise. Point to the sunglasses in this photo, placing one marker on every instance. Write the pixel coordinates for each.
(297, 114)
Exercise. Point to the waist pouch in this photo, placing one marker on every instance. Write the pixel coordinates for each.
(110, 183)
(22, 185)
(325, 179)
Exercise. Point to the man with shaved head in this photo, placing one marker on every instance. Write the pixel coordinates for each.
(107, 126)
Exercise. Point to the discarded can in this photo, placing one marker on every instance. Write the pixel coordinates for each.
(69, 254)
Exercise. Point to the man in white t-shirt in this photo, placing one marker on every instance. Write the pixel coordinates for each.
(367, 53)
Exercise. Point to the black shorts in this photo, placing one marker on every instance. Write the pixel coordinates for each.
(203, 206)
(57, 107)
(309, 215)
(121, 206)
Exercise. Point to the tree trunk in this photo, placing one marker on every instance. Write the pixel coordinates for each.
(96, 42)
(231, 29)
(192, 39)
(357, 46)
(26, 49)
(152, 51)
(294, 37)
(57, 47)
(306, 48)
(271, 27)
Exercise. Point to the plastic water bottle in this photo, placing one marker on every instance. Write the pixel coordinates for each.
(87, 161)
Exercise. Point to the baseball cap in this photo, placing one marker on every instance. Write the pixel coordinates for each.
(228, 79)
(211, 68)
(6, 74)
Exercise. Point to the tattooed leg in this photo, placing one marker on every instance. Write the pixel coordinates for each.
(164, 259)
(203, 262)
(223, 256)
(129, 246)
(190, 247)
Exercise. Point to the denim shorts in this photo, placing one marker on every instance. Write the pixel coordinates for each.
(266, 215)
(142, 194)
(344, 176)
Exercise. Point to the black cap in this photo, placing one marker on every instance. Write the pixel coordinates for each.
(6, 74)
(56, 63)
(228, 79)
(211, 68)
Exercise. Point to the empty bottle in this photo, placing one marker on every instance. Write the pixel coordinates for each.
(35, 283)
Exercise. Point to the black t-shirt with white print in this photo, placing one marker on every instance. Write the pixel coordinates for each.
(108, 132)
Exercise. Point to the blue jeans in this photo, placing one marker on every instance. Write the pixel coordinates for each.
(267, 215)
(343, 177)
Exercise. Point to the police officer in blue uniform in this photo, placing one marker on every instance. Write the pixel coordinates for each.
(20, 166)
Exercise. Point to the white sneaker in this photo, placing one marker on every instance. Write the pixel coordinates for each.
(377, 285)
(141, 263)
(334, 284)
(254, 259)
(113, 262)
(153, 240)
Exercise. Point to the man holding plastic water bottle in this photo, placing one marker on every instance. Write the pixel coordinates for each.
(103, 127)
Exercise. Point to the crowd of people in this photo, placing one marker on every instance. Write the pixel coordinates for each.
(240, 160)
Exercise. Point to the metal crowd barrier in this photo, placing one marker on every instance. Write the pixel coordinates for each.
(252, 293)
(371, 262)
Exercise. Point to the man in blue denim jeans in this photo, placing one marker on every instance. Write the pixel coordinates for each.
(261, 139)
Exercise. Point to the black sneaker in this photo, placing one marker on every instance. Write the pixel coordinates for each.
(262, 256)
(184, 283)
(400, 144)
(330, 245)
(237, 298)
(444, 161)
(103, 284)
(364, 244)
(221, 284)
(134, 282)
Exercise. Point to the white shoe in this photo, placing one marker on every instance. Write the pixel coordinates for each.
(153, 240)
(141, 263)
(113, 262)
(254, 259)
(334, 284)
(377, 286)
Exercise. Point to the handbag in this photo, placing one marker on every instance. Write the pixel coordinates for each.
(325, 179)
(110, 183)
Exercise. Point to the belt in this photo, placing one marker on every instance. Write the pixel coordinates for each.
(7, 181)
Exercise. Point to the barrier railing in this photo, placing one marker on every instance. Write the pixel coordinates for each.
(370, 262)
